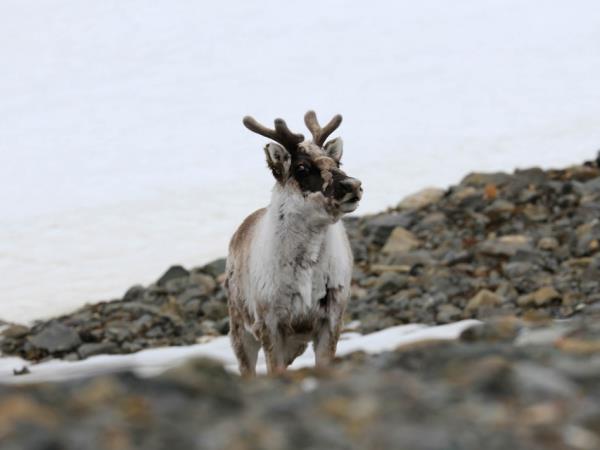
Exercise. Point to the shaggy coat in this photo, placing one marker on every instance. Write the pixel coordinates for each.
(289, 265)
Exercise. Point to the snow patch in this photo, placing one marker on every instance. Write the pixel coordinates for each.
(152, 362)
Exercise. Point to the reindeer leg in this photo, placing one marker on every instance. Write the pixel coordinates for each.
(274, 347)
(245, 346)
(327, 336)
(325, 344)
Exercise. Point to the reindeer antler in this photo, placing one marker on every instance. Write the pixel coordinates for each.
(321, 134)
(281, 133)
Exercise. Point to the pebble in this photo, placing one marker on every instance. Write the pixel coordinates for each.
(542, 296)
(481, 299)
(422, 198)
(400, 241)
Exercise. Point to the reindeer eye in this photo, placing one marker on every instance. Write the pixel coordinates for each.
(302, 170)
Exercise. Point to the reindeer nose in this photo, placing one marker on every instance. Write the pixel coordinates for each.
(352, 185)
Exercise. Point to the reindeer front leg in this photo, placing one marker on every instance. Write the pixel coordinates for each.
(273, 345)
(327, 336)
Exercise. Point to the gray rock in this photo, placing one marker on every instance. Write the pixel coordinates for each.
(536, 382)
(214, 309)
(483, 298)
(172, 273)
(422, 198)
(192, 306)
(548, 243)
(176, 286)
(206, 283)
(479, 179)
(400, 241)
(55, 337)
(391, 282)
(517, 269)
(447, 313)
(15, 331)
(378, 229)
(118, 331)
(540, 297)
(91, 349)
(506, 245)
(500, 206)
(214, 268)
(134, 293)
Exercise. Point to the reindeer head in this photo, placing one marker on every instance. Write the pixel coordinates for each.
(311, 169)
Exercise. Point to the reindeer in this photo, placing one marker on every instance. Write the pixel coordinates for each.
(289, 265)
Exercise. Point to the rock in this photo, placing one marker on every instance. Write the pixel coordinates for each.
(541, 383)
(192, 293)
(500, 206)
(548, 243)
(461, 195)
(382, 268)
(214, 309)
(517, 269)
(482, 299)
(192, 307)
(433, 220)
(205, 283)
(540, 297)
(222, 326)
(134, 293)
(176, 286)
(447, 313)
(400, 241)
(502, 329)
(391, 282)
(142, 323)
(479, 179)
(536, 213)
(214, 268)
(489, 374)
(416, 260)
(118, 331)
(421, 199)
(172, 273)
(209, 328)
(543, 335)
(378, 229)
(506, 245)
(588, 238)
(55, 337)
(87, 350)
(15, 331)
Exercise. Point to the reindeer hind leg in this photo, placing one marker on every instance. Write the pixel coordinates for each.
(245, 347)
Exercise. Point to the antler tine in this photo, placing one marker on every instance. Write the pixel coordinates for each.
(252, 124)
(282, 129)
(281, 133)
(319, 134)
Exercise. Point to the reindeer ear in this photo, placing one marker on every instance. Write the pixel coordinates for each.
(334, 149)
(278, 160)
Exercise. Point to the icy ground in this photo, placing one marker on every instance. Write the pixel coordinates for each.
(121, 144)
(154, 361)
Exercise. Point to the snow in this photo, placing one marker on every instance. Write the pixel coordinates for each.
(121, 144)
(155, 361)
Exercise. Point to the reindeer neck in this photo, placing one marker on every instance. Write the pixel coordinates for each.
(299, 229)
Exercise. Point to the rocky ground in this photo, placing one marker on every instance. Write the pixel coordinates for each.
(496, 388)
(518, 251)
(524, 245)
